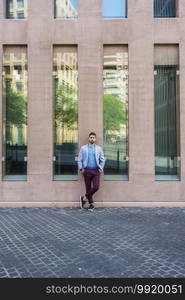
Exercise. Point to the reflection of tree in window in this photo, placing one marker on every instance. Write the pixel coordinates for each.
(15, 107)
(65, 108)
(114, 116)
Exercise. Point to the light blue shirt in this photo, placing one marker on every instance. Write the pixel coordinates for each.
(91, 163)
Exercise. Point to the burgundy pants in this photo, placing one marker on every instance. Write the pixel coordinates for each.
(92, 183)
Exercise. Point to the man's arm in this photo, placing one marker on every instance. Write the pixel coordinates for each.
(80, 159)
(102, 159)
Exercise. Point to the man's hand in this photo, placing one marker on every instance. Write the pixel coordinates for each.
(81, 171)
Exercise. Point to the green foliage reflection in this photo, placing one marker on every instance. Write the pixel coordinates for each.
(15, 108)
(115, 114)
(65, 106)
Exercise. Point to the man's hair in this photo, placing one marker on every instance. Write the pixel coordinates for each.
(92, 133)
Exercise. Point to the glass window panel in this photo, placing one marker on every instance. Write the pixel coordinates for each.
(165, 8)
(15, 113)
(65, 80)
(16, 9)
(167, 141)
(114, 8)
(115, 83)
(20, 3)
(65, 9)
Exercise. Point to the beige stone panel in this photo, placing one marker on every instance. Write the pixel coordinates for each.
(137, 192)
(69, 191)
(64, 31)
(16, 191)
(40, 113)
(116, 31)
(40, 188)
(40, 104)
(166, 30)
(115, 191)
(90, 51)
(90, 8)
(14, 31)
(141, 109)
(57, 191)
(181, 9)
(90, 91)
(140, 9)
(41, 9)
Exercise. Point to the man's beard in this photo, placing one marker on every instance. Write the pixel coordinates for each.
(91, 142)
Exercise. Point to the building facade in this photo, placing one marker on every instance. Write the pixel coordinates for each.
(70, 67)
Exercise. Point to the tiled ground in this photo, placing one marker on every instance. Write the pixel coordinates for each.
(109, 242)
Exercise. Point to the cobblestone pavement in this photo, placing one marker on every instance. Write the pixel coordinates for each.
(109, 242)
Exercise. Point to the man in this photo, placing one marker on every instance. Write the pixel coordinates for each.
(90, 163)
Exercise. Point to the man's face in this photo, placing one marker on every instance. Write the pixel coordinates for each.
(92, 139)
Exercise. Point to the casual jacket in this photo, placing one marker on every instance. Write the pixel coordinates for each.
(83, 157)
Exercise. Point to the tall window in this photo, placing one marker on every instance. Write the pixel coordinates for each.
(114, 9)
(165, 8)
(65, 9)
(16, 9)
(115, 83)
(166, 84)
(15, 113)
(65, 77)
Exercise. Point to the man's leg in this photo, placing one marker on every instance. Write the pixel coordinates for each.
(95, 178)
(88, 181)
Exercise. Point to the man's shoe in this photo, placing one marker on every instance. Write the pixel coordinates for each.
(91, 207)
(82, 202)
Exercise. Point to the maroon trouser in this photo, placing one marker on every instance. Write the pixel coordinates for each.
(92, 183)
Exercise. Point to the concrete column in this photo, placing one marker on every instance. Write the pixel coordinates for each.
(1, 106)
(90, 70)
(40, 109)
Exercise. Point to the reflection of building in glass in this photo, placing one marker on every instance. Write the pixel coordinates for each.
(65, 78)
(165, 9)
(116, 74)
(16, 9)
(65, 68)
(15, 71)
(65, 9)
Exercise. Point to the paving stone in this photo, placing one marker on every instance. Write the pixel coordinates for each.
(110, 242)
